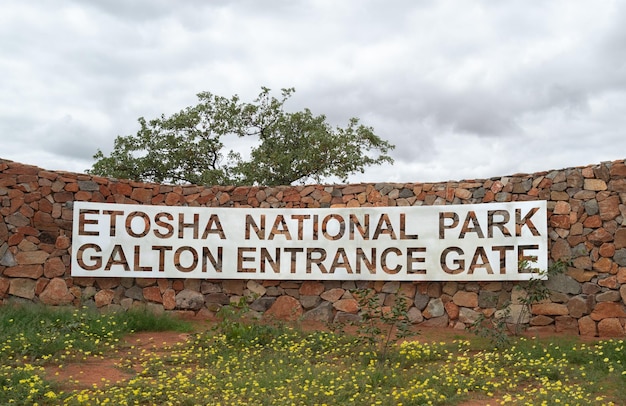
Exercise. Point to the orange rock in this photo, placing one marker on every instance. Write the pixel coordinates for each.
(311, 288)
(347, 305)
(285, 308)
(611, 327)
(550, 309)
(56, 293)
(153, 294)
(605, 310)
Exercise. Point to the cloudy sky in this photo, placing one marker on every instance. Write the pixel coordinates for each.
(471, 89)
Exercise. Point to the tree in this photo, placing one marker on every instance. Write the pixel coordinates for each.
(291, 148)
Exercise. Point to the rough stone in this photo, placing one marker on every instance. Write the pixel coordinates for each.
(126, 303)
(620, 257)
(560, 221)
(550, 309)
(621, 275)
(450, 288)
(285, 308)
(580, 275)
(110, 283)
(518, 296)
(468, 316)
(4, 230)
(255, 288)
(558, 297)
(262, 304)
(233, 286)
(7, 258)
(591, 207)
(541, 320)
(322, 313)
(580, 305)
(88, 185)
(434, 289)
(407, 291)
(157, 308)
(333, 295)
(346, 305)
(390, 287)
(491, 287)
(593, 222)
(17, 220)
(56, 293)
(608, 296)
(104, 297)
(587, 327)
(487, 299)
(311, 288)
(595, 184)
(600, 236)
(153, 294)
(591, 288)
(24, 271)
(465, 299)
(208, 287)
(169, 299)
(134, 292)
(214, 298)
(564, 284)
(603, 265)
(309, 302)
(344, 318)
(420, 301)
(414, 315)
(622, 292)
(620, 237)
(607, 250)
(189, 300)
(452, 310)
(562, 207)
(4, 287)
(611, 327)
(53, 268)
(434, 309)
(560, 249)
(609, 208)
(608, 282)
(566, 324)
(605, 310)
(31, 257)
(518, 314)
(274, 291)
(22, 287)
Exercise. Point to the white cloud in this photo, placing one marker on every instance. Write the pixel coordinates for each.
(465, 90)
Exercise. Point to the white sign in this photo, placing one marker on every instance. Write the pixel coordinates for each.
(478, 242)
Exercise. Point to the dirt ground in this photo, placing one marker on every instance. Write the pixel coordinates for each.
(117, 367)
(114, 367)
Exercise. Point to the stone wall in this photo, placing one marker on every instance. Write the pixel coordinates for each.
(586, 215)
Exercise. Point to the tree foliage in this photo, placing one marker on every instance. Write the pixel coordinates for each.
(187, 147)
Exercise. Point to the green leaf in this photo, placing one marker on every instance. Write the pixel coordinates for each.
(187, 146)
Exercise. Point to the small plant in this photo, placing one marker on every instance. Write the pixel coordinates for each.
(380, 327)
(535, 289)
(495, 329)
(501, 327)
(237, 327)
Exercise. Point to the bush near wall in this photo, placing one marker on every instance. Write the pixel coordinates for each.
(587, 225)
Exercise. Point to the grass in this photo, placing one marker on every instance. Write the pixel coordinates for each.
(275, 364)
(36, 334)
